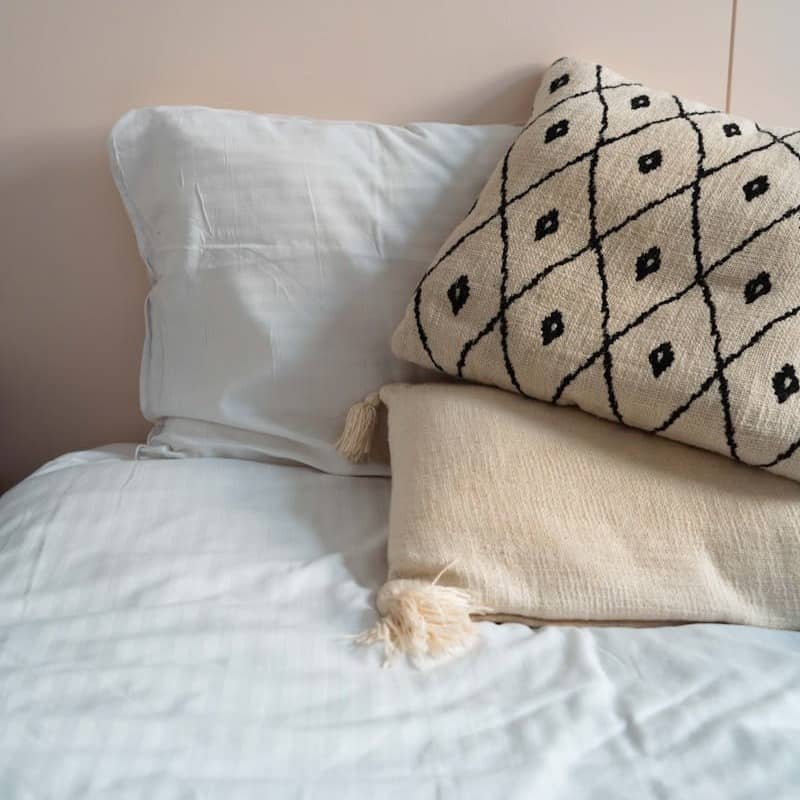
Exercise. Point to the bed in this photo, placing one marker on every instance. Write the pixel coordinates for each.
(184, 628)
(179, 618)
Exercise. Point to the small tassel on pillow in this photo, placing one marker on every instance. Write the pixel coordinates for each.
(422, 619)
(355, 442)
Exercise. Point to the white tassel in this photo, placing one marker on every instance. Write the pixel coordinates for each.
(422, 619)
(355, 442)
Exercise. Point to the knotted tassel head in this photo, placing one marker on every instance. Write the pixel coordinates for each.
(358, 433)
(422, 620)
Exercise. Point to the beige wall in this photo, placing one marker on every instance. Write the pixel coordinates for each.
(765, 80)
(72, 284)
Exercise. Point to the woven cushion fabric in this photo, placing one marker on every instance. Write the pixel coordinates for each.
(547, 514)
(636, 255)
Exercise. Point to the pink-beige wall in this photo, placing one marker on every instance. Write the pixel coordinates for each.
(72, 285)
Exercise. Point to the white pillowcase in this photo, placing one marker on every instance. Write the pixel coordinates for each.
(281, 253)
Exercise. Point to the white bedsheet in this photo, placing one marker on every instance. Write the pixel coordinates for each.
(179, 629)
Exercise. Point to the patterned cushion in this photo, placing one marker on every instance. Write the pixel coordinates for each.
(637, 255)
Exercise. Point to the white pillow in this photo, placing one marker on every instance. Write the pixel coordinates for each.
(281, 252)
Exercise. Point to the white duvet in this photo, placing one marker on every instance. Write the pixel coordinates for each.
(181, 629)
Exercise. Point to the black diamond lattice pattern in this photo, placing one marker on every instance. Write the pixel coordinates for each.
(662, 357)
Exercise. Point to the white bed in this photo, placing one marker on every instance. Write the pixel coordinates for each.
(181, 629)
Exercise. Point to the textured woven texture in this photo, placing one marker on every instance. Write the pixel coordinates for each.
(547, 514)
(636, 255)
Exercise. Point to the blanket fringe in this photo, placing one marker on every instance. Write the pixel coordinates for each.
(355, 442)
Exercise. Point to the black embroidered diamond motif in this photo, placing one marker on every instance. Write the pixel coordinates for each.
(547, 224)
(649, 161)
(556, 131)
(552, 327)
(648, 263)
(694, 164)
(661, 359)
(785, 383)
(731, 129)
(640, 101)
(755, 187)
(757, 287)
(458, 293)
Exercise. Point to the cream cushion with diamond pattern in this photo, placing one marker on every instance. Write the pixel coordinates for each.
(637, 255)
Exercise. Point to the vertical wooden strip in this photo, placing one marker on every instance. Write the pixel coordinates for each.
(731, 50)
